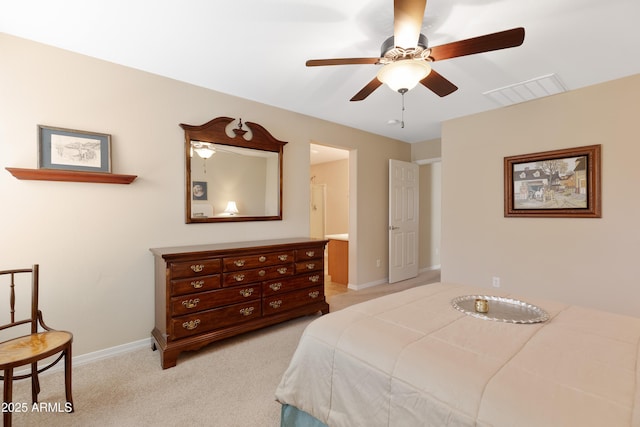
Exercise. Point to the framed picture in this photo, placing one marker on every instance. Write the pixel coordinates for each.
(561, 184)
(73, 150)
(199, 190)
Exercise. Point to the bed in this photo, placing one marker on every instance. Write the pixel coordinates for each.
(412, 359)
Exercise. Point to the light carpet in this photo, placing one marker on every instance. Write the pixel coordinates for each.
(229, 383)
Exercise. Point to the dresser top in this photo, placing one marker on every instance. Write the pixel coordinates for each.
(232, 247)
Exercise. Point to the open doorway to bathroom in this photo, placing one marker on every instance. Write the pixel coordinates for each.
(329, 211)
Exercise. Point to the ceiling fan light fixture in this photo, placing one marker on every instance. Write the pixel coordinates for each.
(404, 75)
(203, 149)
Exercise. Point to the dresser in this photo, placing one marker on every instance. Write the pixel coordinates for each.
(206, 293)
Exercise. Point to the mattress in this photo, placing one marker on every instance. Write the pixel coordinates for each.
(411, 359)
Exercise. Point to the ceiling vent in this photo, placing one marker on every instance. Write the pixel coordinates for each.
(539, 87)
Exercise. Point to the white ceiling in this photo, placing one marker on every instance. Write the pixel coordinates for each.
(256, 49)
(324, 154)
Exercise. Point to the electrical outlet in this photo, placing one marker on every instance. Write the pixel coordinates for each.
(378, 263)
(496, 282)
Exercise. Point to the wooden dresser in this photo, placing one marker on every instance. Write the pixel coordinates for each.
(206, 293)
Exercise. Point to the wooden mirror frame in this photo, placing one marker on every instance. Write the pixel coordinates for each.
(215, 131)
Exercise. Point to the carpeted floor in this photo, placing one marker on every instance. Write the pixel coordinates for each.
(229, 383)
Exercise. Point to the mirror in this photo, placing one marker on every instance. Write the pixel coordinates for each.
(232, 174)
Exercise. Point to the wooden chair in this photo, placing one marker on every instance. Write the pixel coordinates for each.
(34, 347)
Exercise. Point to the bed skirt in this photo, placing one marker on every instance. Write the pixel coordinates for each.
(290, 416)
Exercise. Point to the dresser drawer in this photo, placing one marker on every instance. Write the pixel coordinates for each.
(257, 261)
(209, 320)
(309, 253)
(287, 301)
(309, 265)
(289, 284)
(310, 279)
(206, 300)
(195, 268)
(257, 274)
(195, 284)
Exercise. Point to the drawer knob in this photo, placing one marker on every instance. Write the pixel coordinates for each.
(238, 277)
(246, 292)
(191, 303)
(197, 284)
(197, 268)
(282, 270)
(283, 257)
(311, 266)
(314, 294)
(191, 324)
(310, 253)
(276, 286)
(276, 304)
(314, 278)
(261, 273)
(262, 258)
(239, 262)
(248, 311)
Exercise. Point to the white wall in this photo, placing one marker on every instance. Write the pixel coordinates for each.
(430, 215)
(590, 262)
(428, 155)
(92, 240)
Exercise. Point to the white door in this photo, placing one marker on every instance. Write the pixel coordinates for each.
(403, 220)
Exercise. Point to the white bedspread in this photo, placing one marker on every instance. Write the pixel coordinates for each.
(411, 359)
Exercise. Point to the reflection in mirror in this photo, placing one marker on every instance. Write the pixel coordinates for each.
(233, 181)
(232, 178)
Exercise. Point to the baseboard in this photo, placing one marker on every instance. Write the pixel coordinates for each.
(111, 351)
(96, 356)
(433, 267)
(367, 285)
(386, 280)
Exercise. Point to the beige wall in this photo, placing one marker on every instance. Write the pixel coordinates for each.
(92, 240)
(426, 151)
(591, 262)
(335, 175)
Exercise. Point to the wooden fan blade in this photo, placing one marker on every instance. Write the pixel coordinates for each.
(341, 61)
(438, 84)
(407, 22)
(486, 43)
(367, 90)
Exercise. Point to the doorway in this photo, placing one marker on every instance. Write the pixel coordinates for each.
(329, 210)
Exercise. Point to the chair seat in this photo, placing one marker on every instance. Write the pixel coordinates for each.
(26, 349)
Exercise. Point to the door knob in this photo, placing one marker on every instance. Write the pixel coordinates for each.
(391, 227)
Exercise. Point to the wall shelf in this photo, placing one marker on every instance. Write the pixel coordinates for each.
(73, 176)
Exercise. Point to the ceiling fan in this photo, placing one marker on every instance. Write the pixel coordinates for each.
(406, 56)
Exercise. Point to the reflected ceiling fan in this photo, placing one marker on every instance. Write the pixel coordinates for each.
(406, 56)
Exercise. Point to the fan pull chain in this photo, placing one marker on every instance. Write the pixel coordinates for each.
(402, 92)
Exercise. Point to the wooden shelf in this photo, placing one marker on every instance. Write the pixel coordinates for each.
(73, 176)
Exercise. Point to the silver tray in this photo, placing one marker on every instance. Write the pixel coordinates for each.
(501, 309)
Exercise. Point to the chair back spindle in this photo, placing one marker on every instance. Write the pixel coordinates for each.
(12, 298)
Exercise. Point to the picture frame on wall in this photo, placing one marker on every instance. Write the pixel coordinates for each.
(562, 183)
(73, 150)
(199, 190)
